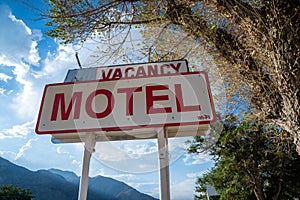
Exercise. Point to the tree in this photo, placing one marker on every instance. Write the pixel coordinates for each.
(253, 160)
(10, 192)
(255, 43)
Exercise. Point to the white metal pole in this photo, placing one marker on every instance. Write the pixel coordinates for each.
(163, 155)
(89, 145)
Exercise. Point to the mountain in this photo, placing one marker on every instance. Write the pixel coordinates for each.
(69, 176)
(63, 185)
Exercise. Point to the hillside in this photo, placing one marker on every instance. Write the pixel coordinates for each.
(63, 185)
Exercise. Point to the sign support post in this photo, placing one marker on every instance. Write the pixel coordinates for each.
(89, 145)
(163, 155)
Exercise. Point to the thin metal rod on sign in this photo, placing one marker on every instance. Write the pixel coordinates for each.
(78, 61)
(89, 145)
(163, 155)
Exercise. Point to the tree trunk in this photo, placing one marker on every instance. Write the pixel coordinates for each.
(287, 51)
(291, 108)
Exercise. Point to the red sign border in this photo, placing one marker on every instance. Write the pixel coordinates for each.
(126, 127)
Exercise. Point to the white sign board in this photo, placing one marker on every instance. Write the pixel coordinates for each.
(127, 71)
(127, 103)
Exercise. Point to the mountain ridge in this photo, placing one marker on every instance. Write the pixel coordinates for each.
(63, 185)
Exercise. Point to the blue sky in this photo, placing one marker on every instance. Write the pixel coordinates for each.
(28, 61)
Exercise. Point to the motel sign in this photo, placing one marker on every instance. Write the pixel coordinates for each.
(127, 103)
(137, 101)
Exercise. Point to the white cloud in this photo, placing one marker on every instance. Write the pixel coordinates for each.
(64, 152)
(138, 185)
(109, 151)
(124, 177)
(154, 192)
(55, 68)
(9, 92)
(196, 174)
(142, 154)
(17, 131)
(27, 146)
(60, 150)
(39, 153)
(196, 159)
(147, 187)
(20, 22)
(17, 42)
(77, 163)
(4, 77)
(99, 172)
(183, 190)
(120, 151)
(18, 49)
(177, 148)
(2, 90)
(33, 53)
(8, 155)
(26, 104)
(136, 150)
(56, 65)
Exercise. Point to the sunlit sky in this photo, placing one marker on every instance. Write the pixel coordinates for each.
(28, 61)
